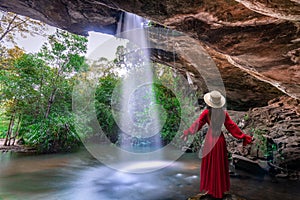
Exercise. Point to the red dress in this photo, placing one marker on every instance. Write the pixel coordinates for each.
(214, 175)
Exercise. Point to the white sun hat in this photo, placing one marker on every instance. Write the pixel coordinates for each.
(214, 99)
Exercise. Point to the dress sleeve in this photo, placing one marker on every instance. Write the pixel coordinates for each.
(236, 131)
(198, 124)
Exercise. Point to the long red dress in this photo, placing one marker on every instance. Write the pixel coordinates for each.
(214, 166)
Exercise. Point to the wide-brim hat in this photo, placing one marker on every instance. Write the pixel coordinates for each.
(214, 99)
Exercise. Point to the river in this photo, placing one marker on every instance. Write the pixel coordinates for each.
(78, 176)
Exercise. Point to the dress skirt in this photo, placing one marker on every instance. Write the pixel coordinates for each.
(214, 166)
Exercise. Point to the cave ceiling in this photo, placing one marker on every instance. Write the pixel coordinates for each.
(254, 43)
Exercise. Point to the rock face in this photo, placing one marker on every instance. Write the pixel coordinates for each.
(279, 123)
(255, 43)
(276, 130)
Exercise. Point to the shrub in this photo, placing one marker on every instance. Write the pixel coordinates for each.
(56, 134)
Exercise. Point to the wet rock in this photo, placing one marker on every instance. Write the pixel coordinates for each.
(276, 147)
(280, 124)
(254, 167)
(227, 196)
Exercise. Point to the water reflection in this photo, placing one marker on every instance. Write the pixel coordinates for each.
(80, 177)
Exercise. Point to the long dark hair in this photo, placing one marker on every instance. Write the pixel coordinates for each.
(216, 118)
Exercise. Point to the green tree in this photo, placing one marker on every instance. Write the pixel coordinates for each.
(13, 26)
(54, 131)
(20, 83)
(65, 53)
(103, 95)
(29, 84)
(7, 99)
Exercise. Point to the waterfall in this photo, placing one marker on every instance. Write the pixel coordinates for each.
(137, 115)
(133, 103)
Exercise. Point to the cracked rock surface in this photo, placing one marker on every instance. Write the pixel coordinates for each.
(254, 43)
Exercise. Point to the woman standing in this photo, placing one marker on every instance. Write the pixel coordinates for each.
(214, 166)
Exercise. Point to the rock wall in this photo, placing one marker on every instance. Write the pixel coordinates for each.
(254, 43)
(280, 123)
(276, 131)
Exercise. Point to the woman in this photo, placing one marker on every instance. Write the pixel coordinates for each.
(214, 166)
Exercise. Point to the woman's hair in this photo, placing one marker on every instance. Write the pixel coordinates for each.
(216, 118)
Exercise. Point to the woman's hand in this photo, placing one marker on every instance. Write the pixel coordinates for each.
(184, 137)
(247, 140)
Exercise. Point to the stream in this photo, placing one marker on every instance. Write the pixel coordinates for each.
(78, 176)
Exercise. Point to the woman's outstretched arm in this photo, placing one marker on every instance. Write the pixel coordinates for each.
(196, 126)
(236, 131)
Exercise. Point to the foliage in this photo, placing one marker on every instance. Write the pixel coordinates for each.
(164, 97)
(166, 102)
(171, 106)
(103, 67)
(8, 56)
(18, 80)
(261, 141)
(56, 134)
(64, 51)
(3, 123)
(12, 24)
(20, 83)
(103, 96)
(16, 85)
(179, 104)
(29, 85)
(264, 145)
(246, 117)
(170, 111)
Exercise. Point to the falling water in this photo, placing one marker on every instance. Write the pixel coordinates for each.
(138, 115)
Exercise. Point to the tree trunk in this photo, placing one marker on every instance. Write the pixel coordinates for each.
(18, 129)
(50, 102)
(9, 130)
(53, 93)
